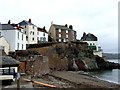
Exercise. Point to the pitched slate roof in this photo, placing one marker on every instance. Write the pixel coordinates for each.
(24, 22)
(42, 30)
(89, 37)
(7, 27)
(61, 27)
(8, 61)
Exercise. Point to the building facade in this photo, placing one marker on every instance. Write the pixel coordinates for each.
(30, 30)
(42, 35)
(15, 36)
(61, 33)
(8, 69)
(92, 41)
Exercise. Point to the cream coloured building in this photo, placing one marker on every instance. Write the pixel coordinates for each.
(4, 45)
(30, 30)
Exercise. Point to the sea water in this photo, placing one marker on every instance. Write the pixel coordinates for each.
(108, 75)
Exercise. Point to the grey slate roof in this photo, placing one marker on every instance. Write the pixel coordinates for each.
(24, 22)
(61, 27)
(89, 37)
(6, 27)
(8, 61)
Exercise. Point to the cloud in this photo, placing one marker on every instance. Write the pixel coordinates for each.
(99, 17)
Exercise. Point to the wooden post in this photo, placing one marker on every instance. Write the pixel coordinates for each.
(18, 79)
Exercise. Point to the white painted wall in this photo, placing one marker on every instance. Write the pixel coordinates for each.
(5, 44)
(97, 52)
(93, 43)
(21, 40)
(12, 37)
(42, 35)
(31, 32)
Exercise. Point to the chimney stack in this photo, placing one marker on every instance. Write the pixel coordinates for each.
(44, 28)
(29, 21)
(70, 27)
(84, 34)
(66, 25)
(9, 22)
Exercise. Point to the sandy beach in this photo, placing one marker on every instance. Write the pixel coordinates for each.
(84, 80)
(70, 79)
(65, 80)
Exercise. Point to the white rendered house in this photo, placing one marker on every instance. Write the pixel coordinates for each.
(92, 43)
(42, 35)
(15, 36)
(30, 30)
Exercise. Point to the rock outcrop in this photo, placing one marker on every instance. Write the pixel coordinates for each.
(66, 56)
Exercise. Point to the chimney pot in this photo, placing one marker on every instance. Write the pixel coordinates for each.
(70, 26)
(30, 21)
(66, 25)
(9, 22)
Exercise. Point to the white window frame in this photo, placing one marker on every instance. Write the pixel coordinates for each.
(18, 35)
(59, 30)
(22, 36)
(25, 32)
(66, 31)
(64, 40)
(22, 46)
(60, 40)
(66, 35)
(41, 38)
(60, 35)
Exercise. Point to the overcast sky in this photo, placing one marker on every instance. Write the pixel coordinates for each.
(99, 17)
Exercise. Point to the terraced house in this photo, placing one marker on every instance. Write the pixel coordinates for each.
(42, 35)
(62, 33)
(30, 30)
(92, 41)
(14, 35)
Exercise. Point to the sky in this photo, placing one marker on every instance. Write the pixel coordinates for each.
(99, 17)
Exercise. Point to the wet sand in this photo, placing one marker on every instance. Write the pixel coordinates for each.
(85, 81)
